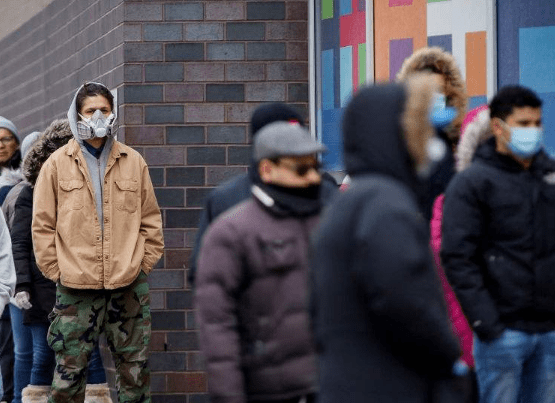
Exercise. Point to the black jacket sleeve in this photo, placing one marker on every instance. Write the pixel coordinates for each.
(205, 220)
(462, 232)
(22, 243)
(394, 267)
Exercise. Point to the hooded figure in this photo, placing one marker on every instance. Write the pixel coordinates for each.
(379, 316)
(97, 233)
(443, 68)
(40, 291)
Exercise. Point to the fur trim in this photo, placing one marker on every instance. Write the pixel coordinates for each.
(455, 88)
(35, 394)
(475, 133)
(10, 177)
(417, 128)
(55, 136)
(97, 393)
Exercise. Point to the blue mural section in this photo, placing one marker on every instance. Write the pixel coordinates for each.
(526, 53)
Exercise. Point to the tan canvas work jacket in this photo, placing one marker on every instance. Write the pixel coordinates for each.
(67, 236)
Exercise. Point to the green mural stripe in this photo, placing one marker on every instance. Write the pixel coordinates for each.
(361, 63)
(327, 9)
(436, 1)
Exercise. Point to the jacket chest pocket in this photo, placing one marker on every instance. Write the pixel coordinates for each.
(279, 254)
(72, 196)
(126, 195)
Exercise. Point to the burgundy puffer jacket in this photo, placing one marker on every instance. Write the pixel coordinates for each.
(252, 297)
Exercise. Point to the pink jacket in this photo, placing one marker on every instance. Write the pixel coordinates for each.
(458, 320)
(474, 131)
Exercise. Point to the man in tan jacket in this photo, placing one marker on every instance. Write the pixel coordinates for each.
(97, 232)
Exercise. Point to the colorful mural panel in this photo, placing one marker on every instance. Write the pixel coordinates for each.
(526, 53)
(399, 28)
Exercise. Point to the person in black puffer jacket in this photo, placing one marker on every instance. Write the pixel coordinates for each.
(36, 293)
(499, 252)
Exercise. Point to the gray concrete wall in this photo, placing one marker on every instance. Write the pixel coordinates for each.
(15, 13)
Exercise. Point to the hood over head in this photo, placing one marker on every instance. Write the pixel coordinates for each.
(474, 133)
(55, 136)
(436, 60)
(72, 114)
(28, 142)
(386, 129)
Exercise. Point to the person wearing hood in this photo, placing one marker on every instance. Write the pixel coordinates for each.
(447, 112)
(7, 286)
(35, 295)
(11, 318)
(97, 233)
(252, 281)
(498, 251)
(379, 316)
(238, 189)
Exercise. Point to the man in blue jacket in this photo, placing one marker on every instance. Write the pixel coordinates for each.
(499, 252)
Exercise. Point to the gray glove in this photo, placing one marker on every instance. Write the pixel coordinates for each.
(22, 300)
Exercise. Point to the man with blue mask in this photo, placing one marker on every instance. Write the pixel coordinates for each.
(499, 252)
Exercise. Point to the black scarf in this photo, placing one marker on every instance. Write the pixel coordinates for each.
(289, 201)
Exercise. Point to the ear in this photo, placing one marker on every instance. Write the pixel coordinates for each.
(496, 127)
(265, 170)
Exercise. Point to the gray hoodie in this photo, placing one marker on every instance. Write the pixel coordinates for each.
(96, 167)
(7, 269)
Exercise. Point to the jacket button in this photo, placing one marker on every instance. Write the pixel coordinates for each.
(105, 220)
(98, 238)
(99, 257)
(106, 257)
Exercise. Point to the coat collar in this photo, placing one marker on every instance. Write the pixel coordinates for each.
(73, 149)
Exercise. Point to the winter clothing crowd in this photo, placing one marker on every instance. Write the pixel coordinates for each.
(425, 278)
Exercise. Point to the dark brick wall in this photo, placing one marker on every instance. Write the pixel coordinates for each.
(189, 74)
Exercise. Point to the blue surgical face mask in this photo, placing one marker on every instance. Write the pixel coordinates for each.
(525, 142)
(441, 115)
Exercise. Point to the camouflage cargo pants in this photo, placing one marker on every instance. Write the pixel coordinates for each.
(78, 319)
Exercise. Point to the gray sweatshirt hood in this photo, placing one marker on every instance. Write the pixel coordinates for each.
(73, 117)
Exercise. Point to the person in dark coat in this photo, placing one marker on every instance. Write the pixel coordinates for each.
(379, 316)
(10, 160)
(238, 188)
(35, 293)
(252, 286)
(498, 251)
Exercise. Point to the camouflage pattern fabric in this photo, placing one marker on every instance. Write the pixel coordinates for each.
(78, 319)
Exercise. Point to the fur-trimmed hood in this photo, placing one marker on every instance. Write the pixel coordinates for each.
(435, 59)
(475, 133)
(386, 129)
(55, 136)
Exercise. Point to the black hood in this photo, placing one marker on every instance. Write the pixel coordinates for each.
(372, 134)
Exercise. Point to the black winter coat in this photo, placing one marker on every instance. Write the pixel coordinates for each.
(379, 316)
(42, 291)
(498, 245)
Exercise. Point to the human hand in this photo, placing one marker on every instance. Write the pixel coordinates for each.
(22, 300)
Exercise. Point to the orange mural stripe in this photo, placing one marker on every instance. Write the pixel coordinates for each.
(396, 23)
(476, 70)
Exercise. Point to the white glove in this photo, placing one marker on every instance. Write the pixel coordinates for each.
(22, 300)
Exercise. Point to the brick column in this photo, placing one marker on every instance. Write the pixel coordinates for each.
(194, 72)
